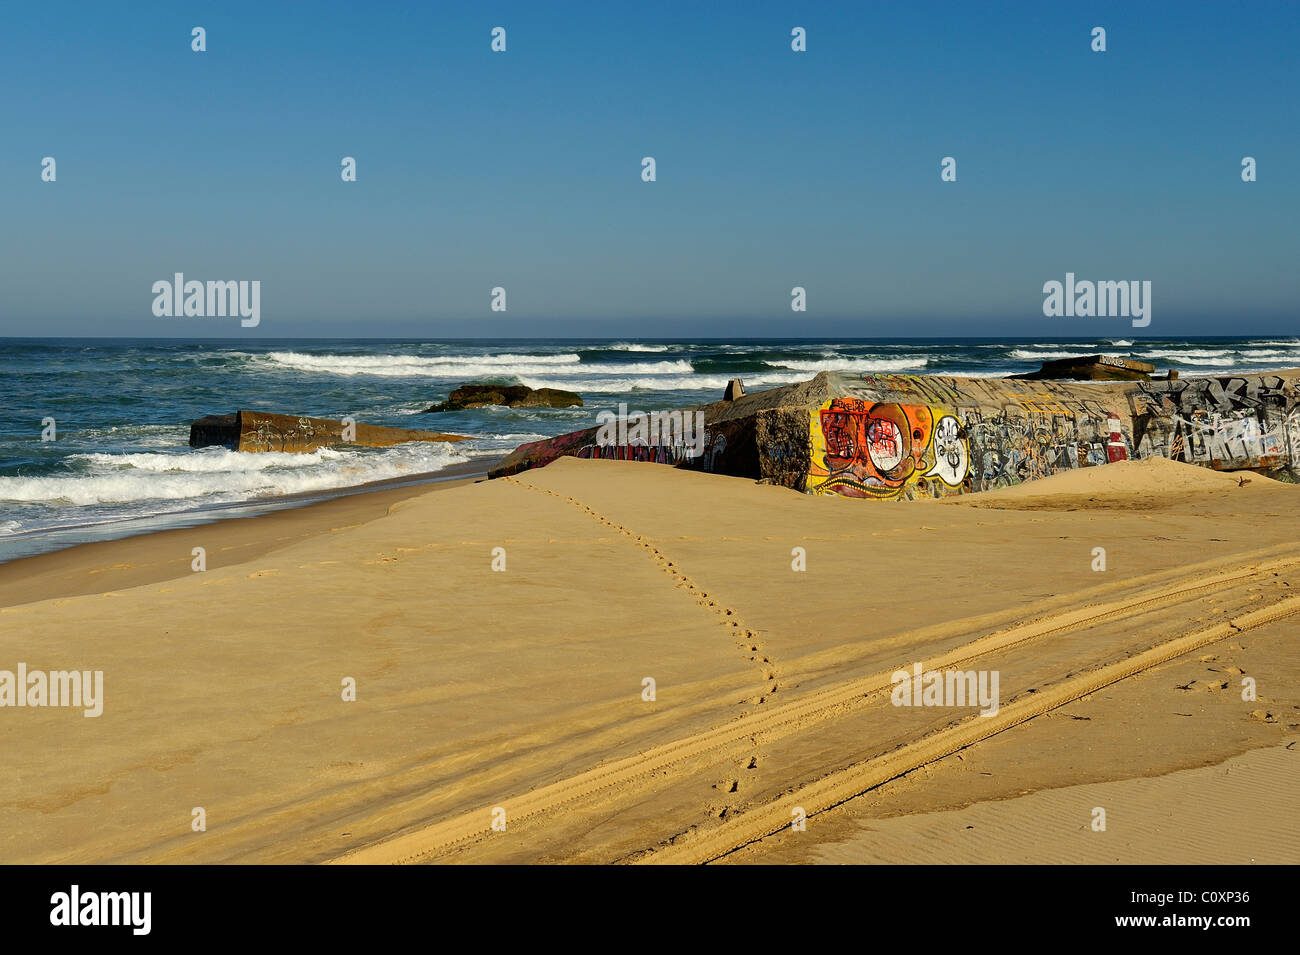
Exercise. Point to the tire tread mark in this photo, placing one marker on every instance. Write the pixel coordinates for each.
(793, 716)
(843, 785)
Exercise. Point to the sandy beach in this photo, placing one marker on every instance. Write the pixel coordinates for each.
(503, 715)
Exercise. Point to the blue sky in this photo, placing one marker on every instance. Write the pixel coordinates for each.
(522, 169)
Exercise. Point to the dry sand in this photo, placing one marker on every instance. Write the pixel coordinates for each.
(522, 690)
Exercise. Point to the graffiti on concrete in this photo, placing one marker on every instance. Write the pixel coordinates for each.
(711, 458)
(905, 436)
(871, 449)
(922, 389)
(283, 433)
(1016, 445)
(673, 454)
(715, 447)
(1223, 423)
(885, 450)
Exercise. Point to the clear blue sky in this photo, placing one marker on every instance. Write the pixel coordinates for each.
(522, 169)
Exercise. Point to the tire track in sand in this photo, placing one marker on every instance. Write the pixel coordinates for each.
(731, 739)
(698, 847)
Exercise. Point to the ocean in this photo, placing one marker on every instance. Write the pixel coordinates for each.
(120, 461)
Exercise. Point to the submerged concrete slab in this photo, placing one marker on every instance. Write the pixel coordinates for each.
(1093, 368)
(263, 431)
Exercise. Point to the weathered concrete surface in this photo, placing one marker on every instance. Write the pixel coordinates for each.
(776, 419)
(907, 436)
(262, 431)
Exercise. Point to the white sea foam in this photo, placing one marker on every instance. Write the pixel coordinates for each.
(1085, 347)
(1188, 354)
(835, 363)
(211, 460)
(163, 435)
(204, 476)
(688, 383)
(634, 346)
(378, 361)
(1039, 355)
(505, 365)
(1232, 370)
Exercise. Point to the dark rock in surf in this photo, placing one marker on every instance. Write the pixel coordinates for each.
(509, 396)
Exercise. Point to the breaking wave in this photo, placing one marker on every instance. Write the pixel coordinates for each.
(462, 366)
(834, 363)
(215, 475)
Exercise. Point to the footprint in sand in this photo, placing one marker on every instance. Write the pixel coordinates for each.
(1211, 685)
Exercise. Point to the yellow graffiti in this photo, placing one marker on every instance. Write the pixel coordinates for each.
(861, 448)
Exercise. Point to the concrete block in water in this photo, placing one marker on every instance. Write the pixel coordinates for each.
(1092, 368)
(263, 431)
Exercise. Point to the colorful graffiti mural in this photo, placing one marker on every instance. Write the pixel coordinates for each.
(883, 450)
(904, 436)
(1019, 444)
(862, 448)
(674, 454)
(1222, 423)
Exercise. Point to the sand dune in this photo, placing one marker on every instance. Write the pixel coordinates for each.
(522, 690)
(1155, 476)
